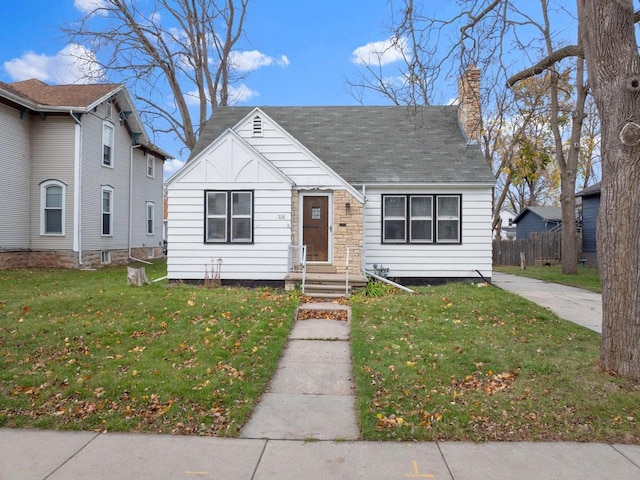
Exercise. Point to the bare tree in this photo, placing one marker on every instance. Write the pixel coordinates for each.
(611, 52)
(173, 56)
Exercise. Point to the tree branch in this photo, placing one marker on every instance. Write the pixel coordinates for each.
(545, 63)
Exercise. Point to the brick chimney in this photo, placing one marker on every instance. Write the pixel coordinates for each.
(469, 103)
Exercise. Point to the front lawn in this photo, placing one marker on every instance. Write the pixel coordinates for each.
(587, 277)
(82, 350)
(459, 362)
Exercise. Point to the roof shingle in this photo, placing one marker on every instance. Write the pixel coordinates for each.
(374, 144)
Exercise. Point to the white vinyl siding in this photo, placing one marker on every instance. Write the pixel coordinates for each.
(229, 166)
(14, 179)
(52, 157)
(433, 260)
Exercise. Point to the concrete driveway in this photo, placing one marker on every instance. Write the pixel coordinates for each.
(574, 304)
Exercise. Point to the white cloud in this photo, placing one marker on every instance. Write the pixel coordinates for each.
(241, 93)
(171, 166)
(73, 64)
(91, 6)
(250, 60)
(381, 53)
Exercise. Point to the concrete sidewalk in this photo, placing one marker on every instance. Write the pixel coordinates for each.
(574, 304)
(40, 455)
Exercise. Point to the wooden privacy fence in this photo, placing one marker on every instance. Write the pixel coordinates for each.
(542, 248)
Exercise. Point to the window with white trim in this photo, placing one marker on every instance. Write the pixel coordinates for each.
(106, 215)
(150, 214)
(151, 166)
(421, 218)
(107, 144)
(52, 202)
(228, 217)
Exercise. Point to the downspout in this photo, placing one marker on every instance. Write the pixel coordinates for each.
(77, 240)
(131, 205)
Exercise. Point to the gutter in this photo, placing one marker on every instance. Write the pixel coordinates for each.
(131, 205)
(77, 194)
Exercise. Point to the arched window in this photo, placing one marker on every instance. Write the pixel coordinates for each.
(52, 207)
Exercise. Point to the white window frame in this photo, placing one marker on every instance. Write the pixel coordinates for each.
(425, 218)
(228, 216)
(44, 208)
(442, 218)
(386, 218)
(151, 224)
(106, 189)
(108, 126)
(435, 219)
(151, 166)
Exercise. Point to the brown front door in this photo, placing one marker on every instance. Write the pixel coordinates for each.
(315, 227)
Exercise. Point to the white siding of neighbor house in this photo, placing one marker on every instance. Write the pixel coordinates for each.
(95, 175)
(15, 162)
(146, 189)
(52, 158)
(284, 152)
(433, 260)
(228, 164)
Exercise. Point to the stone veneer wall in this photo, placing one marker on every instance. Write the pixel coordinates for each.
(347, 228)
(69, 259)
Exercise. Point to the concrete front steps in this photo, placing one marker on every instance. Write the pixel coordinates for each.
(324, 282)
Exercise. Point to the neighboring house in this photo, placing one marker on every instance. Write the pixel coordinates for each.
(404, 185)
(81, 183)
(507, 228)
(537, 219)
(590, 207)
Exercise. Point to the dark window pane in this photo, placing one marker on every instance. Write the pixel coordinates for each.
(394, 230)
(394, 206)
(106, 224)
(421, 230)
(448, 230)
(421, 206)
(216, 203)
(241, 203)
(241, 230)
(54, 197)
(448, 206)
(216, 229)
(53, 221)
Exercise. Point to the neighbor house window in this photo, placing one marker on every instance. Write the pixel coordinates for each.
(52, 201)
(150, 213)
(151, 166)
(107, 211)
(107, 144)
(421, 218)
(229, 216)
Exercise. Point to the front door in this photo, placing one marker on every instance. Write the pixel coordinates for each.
(315, 227)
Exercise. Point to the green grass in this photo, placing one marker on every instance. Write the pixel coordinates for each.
(587, 278)
(459, 362)
(82, 350)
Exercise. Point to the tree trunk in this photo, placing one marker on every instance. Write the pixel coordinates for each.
(569, 240)
(611, 53)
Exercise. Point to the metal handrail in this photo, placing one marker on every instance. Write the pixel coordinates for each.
(301, 264)
(362, 269)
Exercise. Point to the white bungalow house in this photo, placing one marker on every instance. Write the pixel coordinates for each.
(398, 190)
(81, 183)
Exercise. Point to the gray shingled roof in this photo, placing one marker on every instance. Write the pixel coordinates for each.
(589, 191)
(374, 144)
(550, 214)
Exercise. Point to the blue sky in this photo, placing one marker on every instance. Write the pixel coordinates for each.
(306, 49)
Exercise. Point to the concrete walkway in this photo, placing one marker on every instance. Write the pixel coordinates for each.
(49, 455)
(574, 304)
(311, 396)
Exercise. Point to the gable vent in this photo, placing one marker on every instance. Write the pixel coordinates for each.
(257, 126)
